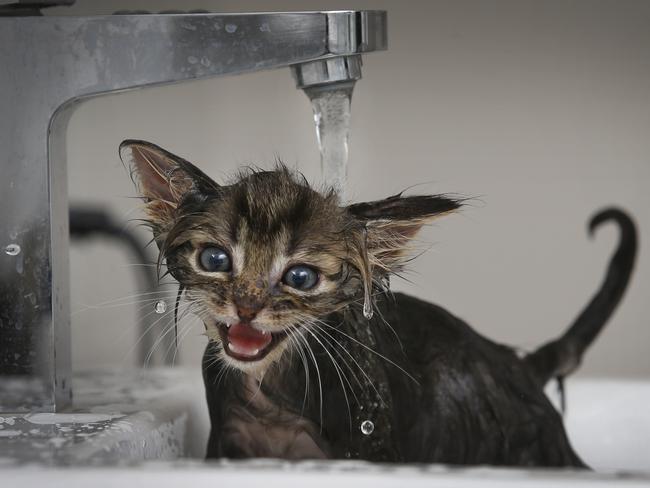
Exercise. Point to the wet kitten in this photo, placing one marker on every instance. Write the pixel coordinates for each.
(297, 366)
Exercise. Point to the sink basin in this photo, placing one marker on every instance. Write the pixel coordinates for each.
(149, 428)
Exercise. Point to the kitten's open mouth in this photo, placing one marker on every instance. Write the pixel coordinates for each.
(246, 343)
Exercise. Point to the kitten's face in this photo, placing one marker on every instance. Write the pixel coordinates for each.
(265, 260)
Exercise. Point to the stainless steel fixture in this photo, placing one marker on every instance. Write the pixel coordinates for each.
(48, 66)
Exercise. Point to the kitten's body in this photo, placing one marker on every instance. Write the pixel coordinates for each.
(470, 401)
(285, 279)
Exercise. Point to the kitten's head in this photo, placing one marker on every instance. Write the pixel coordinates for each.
(267, 256)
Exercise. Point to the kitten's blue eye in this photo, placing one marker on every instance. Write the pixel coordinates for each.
(214, 260)
(301, 277)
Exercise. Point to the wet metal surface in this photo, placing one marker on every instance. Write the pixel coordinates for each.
(118, 417)
(49, 65)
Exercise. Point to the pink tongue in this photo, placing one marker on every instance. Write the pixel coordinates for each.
(246, 340)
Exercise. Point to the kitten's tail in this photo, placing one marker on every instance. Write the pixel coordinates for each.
(562, 356)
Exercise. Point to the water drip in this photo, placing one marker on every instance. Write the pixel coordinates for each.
(12, 249)
(367, 309)
(367, 427)
(367, 280)
(160, 307)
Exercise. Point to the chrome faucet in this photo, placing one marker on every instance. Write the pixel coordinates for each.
(48, 65)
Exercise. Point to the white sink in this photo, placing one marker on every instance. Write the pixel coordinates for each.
(122, 419)
(608, 422)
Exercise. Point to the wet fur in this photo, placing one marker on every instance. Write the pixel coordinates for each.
(435, 390)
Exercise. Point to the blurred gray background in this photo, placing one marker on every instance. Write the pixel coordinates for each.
(541, 110)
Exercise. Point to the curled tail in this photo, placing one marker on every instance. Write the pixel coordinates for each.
(562, 356)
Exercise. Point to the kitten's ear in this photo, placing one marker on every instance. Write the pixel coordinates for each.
(162, 178)
(391, 223)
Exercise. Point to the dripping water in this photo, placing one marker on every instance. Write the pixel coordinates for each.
(160, 307)
(331, 107)
(367, 427)
(12, 249)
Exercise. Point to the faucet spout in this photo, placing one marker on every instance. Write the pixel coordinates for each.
(329, 83)
(326, 72)
(348, 35)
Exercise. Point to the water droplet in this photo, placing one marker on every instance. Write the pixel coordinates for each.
(12, 249)
(367, 310)
(367, 282)
(161, 306)
(367, 427)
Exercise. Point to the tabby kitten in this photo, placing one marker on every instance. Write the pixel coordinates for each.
(311, 356)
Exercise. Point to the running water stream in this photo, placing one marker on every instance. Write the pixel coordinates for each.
(331, 106)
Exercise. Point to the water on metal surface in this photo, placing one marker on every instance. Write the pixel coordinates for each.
(12, 250)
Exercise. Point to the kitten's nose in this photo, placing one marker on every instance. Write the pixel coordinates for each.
(249, 299)
(247, 314)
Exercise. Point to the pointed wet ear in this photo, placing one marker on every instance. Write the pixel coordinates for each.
(391, 223)
(162, 178)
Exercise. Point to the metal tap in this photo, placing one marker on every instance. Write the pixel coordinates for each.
(48, 65)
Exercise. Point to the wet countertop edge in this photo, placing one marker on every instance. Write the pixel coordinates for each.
(275, 473)
(142, 415)
(116, 415)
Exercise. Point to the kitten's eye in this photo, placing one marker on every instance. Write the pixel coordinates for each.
(214, 260)
(301, 277)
